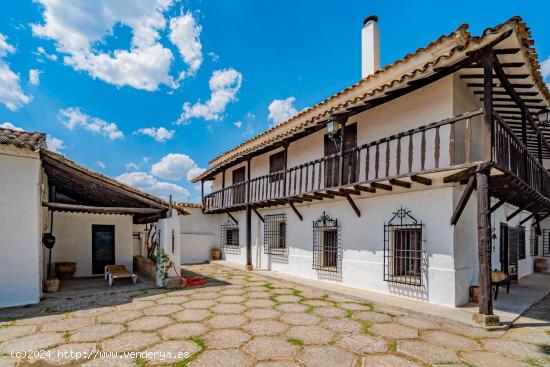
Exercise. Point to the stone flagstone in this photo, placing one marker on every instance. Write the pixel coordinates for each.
(515, 349)
(222, 358)
(371, 316)
(66, 354)
(12, 332)
(342, 325)
(265, 327)
(228, 308)
(427, 352)
(488, 359)
(263, 348)
(183, 330)
(225, 338)
(192, 315)
(227, 321)
(362, 343)
(119, 317)
(310, 334)
(387, 361)
(329, 312)
(176, 350)
(262, 313)
(394, 331)
(418, 322)
(327, 357)
(148, 323)
(300, 319)
(132, 341)
(31, 342)
(96, 332)
(161, 310)
(449, 340)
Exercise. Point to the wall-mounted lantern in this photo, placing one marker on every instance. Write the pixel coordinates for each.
(544, 116)
(334, 131)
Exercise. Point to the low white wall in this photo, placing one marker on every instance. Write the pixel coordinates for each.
(20, 222)
(199, 235)
(73, 233)
(362, 240)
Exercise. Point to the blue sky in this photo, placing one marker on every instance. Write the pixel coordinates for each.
(150, 91)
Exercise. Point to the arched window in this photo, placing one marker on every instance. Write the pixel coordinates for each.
(403, 249)
(327, 250)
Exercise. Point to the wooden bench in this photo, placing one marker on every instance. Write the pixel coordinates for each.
(113, 272)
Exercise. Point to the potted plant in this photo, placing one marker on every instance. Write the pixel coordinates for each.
(65, 269)
(216, 253)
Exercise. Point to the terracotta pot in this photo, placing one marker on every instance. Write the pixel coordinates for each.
(474, 294)
(65, 270)
(541, 265)
(51, 285)
(216, 254)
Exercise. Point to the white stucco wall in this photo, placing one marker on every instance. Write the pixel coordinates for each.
(199, 235)
(73, 233)
(20, 227)
(362, 241)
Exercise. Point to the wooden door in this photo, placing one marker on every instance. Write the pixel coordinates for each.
(103, 247)
(350, 159)
(239, 191)
(510, 240)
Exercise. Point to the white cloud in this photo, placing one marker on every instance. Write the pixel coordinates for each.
(175, 166)
(101, 165)
(11, 94)
(160, 134)
(40, 51)
(214, 56)
(250, 116)
(80, 28)
(224, 85)
(184, 33)
(281, 110)
(34, 76)
(54, 144)
(131, 166)
(9, 125)
(238, 124)
(73, 117)
(148, 183)
(545, 69)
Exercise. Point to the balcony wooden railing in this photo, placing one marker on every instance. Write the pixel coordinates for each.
(439, 145)
(511, 154)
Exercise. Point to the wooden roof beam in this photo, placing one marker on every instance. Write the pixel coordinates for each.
(364, 188)
(422, 180)
(381, 186)
(400, 183)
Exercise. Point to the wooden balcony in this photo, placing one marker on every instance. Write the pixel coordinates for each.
(450, 144)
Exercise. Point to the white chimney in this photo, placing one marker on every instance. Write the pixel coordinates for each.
(370, 46)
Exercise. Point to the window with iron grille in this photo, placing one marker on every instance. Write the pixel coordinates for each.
(275, 234)
(403, 249)
(534, 242)
(230, 236)
(546, 243)
(327, 250)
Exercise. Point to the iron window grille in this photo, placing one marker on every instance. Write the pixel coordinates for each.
(521, 242)
(275, 234)
(403, 249)
(327, 249)
(546, 243)
(534, 242)
(230, 236)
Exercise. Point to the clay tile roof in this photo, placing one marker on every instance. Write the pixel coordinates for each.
(22, 139)
(446, 50)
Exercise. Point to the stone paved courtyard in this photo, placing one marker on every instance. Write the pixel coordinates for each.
(244, 319)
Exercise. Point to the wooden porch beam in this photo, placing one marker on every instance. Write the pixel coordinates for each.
(466, 173)
(422, 180)
(296, 211)
(350, 191)
(527, 218)
(502, 202)
(400, 183)
(258, 214)
(381, 186)
(232, 217)
(463, 200)
(364, 188)
(335, 193)
(353, 205)
(324, 195)
(312, 197)
(519, 210)
(101, 209)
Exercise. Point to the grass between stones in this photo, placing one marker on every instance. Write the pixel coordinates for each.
(294, 341)
(365, 327)
(392, 346)
(545, 348)
(349, 314)
(532, 362)
(202, 346)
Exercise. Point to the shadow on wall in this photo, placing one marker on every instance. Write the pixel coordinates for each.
(334, 277)
(418, 292)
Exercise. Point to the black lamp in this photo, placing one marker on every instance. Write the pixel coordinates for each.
(48, 240)
(333, 131)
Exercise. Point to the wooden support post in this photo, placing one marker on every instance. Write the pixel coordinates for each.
(485, 315)
(463, 200)
(296, 211)
(286, 166)
(353, 205)
(223, 188)
(202, 194)
(487, 108)
(248, 220)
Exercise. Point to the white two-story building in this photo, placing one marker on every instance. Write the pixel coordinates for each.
(415, 181)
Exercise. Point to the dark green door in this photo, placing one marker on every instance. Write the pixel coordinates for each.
(103, 247)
